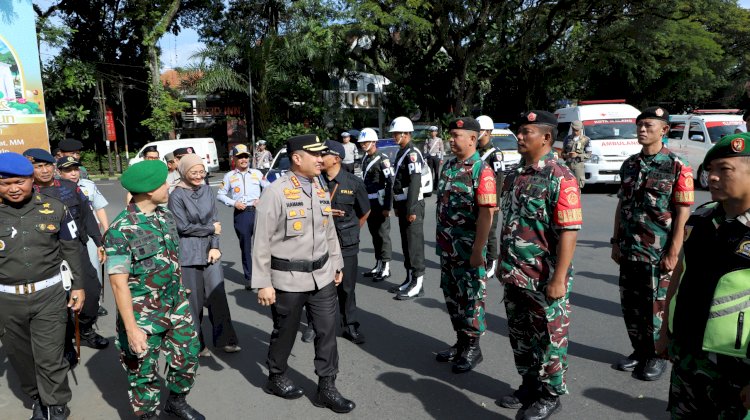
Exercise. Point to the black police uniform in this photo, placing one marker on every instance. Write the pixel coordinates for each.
(350, 195)
(34, 240)
(377, 172)
(494, 159)
(80, 210)
(408, 200)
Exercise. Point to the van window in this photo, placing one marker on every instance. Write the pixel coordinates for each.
(562, 130)
(719, 129)
(623, 128)
(676, 130)
(695, 129)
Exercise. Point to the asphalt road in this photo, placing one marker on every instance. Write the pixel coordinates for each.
(394, 374)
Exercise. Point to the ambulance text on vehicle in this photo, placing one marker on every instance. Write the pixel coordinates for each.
(610, 124)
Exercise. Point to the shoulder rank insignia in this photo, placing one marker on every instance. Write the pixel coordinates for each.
(295, 181)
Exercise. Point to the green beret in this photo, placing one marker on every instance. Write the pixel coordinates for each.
(729, 146)
(144, 176)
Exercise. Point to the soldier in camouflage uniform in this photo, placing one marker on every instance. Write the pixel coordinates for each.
(541, 209)
(709, 385)
(493, 157)
(153, 309)
(655, 198)
(466, 198)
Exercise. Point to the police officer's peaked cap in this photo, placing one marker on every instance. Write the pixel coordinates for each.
(144, 176)
(183, 151)
(335, 148)
(538, 117)
(345, 134)
(70, 145)
(729, 146)
(654, 113)
(465, 123)
(14, 165)
(39, 155)
(67, 162)
(306, 142)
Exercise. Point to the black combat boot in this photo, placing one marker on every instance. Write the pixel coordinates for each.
(452, 352)
(90, 338)
(384, 273)
(283, 387)
(178, 407)
(414, 289)
(526, 394)
(470, 356)
(546, 405)
(57, 412)
(147, 416)
(650, 370)
(629, 363)
(38, 410)
(329, 397)
(375, 270)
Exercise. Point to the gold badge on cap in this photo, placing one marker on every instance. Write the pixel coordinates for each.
(659, 112)
(738, 145)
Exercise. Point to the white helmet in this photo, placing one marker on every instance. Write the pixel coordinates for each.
(485, 123)
(367, 134)
(401, 125)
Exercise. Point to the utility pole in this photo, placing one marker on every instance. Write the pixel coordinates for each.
(251, 116)
(124, 125)
(102, 115)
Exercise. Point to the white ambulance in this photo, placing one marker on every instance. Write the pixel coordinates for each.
(692, 135)
(610, 124)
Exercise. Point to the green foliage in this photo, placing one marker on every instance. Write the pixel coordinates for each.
(277, 135)
(163, 115)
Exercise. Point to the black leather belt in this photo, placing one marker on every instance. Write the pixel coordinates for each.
(280, 264)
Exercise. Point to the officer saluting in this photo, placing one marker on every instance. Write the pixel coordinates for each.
(377, 173)
(297, 262)
(36, 234)
(241, 189)
(409, 207)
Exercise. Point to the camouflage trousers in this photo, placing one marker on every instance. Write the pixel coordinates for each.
(643, 292)
(181, 346)
(465, 289)
(705, 385)
(538, 332)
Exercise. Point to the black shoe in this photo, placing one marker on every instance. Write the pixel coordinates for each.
(283, 387)
(470, 357)
(543, 408)
(91, 339)
(38, 410)
(524, 396)
(384, 273)
(414, 290)
(178, 407)
(352, 334)
(329, 397)
(57, 412)
(102, 312)
(402, 286)
(628, 364)
(150, 415)
(375, 270)
(308, 335)
(72, 357)
(651, 370)
(450, 353)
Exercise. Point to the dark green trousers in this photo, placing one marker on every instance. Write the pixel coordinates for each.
(32, 330)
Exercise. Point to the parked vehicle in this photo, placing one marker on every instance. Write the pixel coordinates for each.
(204, 147)
(610, 124)
(506, 141)
(692, 135)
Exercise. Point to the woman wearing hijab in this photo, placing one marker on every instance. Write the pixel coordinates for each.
(194, 206)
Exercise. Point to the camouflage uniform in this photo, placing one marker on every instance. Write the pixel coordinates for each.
(464, 186)
(652, 187)
(146, 247)
(493, 157)
(538, 201)
(706, 385)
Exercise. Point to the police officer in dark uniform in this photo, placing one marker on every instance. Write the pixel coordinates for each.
(36, 234)
(493, 157)
(409, 207)
(73, 147)
(80, 209)
(350, 208)
(377, 172)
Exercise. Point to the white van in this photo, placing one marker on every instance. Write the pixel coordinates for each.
(692, 135)
(610, 124)
(506, 141)
(204, 147)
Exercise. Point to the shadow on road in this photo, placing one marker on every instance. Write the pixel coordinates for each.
(585, 243)
(625, 403)
(609, 278)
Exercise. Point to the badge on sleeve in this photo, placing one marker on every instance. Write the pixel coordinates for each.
(568, 208)
(413, 157)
